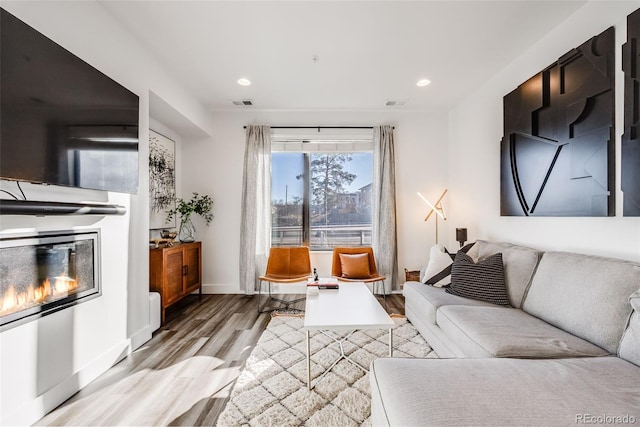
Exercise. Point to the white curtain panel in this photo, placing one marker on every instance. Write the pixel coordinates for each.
(255, 225)
(384, 195)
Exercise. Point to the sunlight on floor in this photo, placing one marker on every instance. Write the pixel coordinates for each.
(183, 384)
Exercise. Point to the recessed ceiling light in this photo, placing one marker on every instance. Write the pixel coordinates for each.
(244, 82)
(395, 103)
(423, 82)
(246, 102)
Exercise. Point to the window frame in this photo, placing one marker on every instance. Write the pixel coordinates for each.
(318, 144)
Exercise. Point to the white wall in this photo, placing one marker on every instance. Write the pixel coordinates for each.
(476, 130)
(214, 166)
(37, 373)
(45, 361)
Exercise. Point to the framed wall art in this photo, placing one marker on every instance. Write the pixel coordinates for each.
(162, 180)
(558, 149)
(630, 167)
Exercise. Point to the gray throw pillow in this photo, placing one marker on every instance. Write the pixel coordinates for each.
(483, 281)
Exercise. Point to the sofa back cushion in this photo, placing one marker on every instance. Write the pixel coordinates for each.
(587, 296)
(520, 263)
(630, 344)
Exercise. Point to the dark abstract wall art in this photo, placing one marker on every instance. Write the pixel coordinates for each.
(558, 149)
(630, 167)
(162, 180)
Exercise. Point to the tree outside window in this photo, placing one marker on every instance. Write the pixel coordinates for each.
(338, 190)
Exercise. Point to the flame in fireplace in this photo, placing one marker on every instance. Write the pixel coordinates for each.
(12, 300)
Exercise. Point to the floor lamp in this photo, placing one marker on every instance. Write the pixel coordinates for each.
(437, 208)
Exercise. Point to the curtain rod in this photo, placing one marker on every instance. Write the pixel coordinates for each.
(320, 127)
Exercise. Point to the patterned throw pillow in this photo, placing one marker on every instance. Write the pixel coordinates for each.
(483, 281)
(438, 271)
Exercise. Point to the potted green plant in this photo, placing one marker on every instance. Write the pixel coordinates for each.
(198, 204)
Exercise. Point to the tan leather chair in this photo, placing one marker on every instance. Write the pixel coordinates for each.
(373, 276)
(285, 265)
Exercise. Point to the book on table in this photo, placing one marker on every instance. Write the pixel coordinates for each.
(329, 283)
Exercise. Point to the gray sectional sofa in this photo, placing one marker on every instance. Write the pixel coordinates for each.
(566, 352)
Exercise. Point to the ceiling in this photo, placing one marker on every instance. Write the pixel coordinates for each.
(367, 52)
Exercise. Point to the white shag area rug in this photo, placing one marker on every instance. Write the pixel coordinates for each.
(272, 389)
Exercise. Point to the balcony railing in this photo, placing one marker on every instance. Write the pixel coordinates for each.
(323, 237)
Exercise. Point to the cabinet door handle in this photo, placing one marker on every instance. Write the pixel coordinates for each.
(185, 270)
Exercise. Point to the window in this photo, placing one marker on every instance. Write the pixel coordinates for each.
(321, 194)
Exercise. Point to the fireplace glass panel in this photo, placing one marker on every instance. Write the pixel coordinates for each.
(42, 274)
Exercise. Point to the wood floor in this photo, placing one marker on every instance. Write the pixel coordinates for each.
(183, 376)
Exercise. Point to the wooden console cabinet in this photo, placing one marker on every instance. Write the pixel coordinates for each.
(175, 272)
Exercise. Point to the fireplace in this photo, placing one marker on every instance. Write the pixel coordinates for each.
(45, 273)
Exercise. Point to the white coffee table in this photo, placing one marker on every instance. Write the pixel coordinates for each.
(350, 308)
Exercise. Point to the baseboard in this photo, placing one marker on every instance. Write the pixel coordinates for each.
(208, 288)
(141, 337)
(32, 411)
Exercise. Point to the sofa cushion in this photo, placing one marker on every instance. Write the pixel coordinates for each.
(520, 263)
(505, 392)
(584, 295)
(426, 300)
(630, 343)
(509, 332)
(483, 280)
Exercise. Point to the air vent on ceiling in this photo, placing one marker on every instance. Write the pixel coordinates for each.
(246, 102)
(395, 103)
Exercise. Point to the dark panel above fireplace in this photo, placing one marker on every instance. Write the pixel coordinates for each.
(630, 138)
(557, 153)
